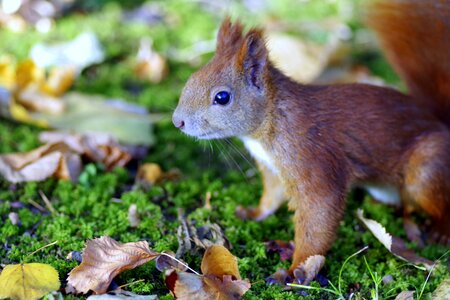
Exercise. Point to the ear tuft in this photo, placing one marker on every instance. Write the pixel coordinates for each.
(230, 34)
(252, 57)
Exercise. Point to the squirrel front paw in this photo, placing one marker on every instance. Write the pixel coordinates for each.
(305, 272)
(252, 213)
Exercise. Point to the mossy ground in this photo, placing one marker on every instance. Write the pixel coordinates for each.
(87, 209)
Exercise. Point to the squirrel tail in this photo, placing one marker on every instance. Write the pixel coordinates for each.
(415, 36)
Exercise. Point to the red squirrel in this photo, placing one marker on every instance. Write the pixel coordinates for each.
(314, 143)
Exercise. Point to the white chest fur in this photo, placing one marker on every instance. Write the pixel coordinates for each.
(258, 152)
(384, 193)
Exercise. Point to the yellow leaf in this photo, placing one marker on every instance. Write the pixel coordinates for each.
(7, 73)
(20, 114)
(28, 281)
(218, 261)
(27, 72)
(59, 81)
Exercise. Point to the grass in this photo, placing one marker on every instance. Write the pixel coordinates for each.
(86, 210)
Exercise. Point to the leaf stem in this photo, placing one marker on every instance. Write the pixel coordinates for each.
(180, 262)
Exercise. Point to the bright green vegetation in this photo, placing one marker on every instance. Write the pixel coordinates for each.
(98, 204)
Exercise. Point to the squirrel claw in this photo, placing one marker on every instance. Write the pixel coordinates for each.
(307, 271)
(280, 277)
(247, 213)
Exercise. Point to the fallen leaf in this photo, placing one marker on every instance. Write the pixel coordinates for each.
(164, 262)
(84, 50)
(28, 72)
(7, 72)
(57, 160)
(284, 248)
(34, 100)
(405, 295)
(150, 65)
(220, 280)
(394, 244)
(121, 294)
(61, 157)
(133, 217)
(59, 81)
(192, 238)
(442, 292)
(103, 259)
(28, 281)
(149, 173)
(128, 123)
(97, 147)
(218, 261)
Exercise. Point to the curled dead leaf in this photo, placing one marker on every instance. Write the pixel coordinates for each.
(28, 281)
(150, 65)
(394, 244)
(149, 173)
(284, 248)
(442, 292)
(218, 261)
(405, 295)
(103, 259)
(57, 160)
(220, 280)
(61, 157)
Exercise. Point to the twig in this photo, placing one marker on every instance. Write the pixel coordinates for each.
(47, 203)
(39, 249)
(127, 284)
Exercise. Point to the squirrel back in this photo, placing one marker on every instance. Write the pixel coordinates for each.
(415, 36)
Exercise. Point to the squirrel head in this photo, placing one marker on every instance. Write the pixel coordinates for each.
(227, 97)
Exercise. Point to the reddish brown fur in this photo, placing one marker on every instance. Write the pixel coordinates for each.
(325, 139)
(415, 35)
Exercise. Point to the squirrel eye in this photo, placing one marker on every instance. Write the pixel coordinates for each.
(222, 98)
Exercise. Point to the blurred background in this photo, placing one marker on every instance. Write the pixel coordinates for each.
(142, 52)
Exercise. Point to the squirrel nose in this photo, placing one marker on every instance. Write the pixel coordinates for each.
(178, 123)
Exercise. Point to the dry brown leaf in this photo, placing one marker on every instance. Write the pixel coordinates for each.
(405, 295)
(150, 65)
(34, 100)
(166, 262)
(28, 281)
(220, 280)
(103, 259)
(394, 244)
(284, 248)
(57, 160)
(442, 292)
(61, 157)
(149, 173)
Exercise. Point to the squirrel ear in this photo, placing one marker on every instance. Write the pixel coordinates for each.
(252, 58)
(229, 35)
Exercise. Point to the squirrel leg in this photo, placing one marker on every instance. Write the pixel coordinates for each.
(427, 182)
(315, 229)
(272, 198)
